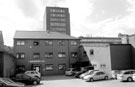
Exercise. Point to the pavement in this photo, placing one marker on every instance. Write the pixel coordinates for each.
(69, 81)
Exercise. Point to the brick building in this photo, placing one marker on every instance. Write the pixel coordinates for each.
(48, 52)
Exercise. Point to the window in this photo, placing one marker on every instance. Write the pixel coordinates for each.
(20, 42)
(49, 55)
(84, 53)
(35, 43)
(61, 54)
(57, 15)
(91, 52)
(49, 67)
(74, 55)
(73, 43)
(20, 68)
(58, 19)
(61, 43)
(20, 55)
(62, 66)
(103, 65)
(57, 24)
(58, 29)
(36, 55)
(48, 43)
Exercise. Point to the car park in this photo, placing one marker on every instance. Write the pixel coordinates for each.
(96, 75)
(33, 74)
(26, 79)
(7, 82)
(70, 71)
(126, 75)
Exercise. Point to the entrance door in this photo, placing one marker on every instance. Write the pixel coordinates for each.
(36, 67)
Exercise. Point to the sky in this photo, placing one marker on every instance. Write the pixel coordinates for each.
(96, 18)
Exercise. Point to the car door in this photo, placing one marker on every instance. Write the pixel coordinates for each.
(97, 76)
(102, 75)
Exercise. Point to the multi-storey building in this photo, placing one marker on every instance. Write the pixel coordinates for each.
(48, 52)
(57, 19)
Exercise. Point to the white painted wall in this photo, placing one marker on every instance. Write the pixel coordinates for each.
(100, 57)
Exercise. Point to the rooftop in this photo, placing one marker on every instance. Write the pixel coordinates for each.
(41, 35)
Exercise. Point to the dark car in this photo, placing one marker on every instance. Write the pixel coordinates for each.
(7, 82)
(26, 79)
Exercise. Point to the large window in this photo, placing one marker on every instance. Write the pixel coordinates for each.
(20, 68)
(57, 15)
(73, 43)
(49, 55)
(91, 52)
(48, 43)
(62, 66)
(57, 10)
(20, 55)
(57, 24)
(36, 55)
(49, 67)
(36, 43)
(74, 55)
(20, 42)
(61, 43)
(61, 54)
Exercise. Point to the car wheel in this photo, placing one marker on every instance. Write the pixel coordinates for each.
(35, 82)
(91, 80)
(106, 78)
(129, 79)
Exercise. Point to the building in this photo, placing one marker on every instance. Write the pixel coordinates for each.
(7, 60)
(106, 53)
(47, 52)
(57, 19)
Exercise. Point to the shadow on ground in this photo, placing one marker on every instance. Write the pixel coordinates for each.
(57, 77)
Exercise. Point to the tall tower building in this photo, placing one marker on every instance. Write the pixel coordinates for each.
(57, 19)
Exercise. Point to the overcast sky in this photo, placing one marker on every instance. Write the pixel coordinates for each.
(102, 18)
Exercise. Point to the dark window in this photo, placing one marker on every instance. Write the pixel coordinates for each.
(48, 43)
(36, 55)
(84, 54)
(74, 55)
(73, 43)
(61, 43)
(62, 66)
(61, 54)
(49, 55)
(49, 67)
(35, 43)
(91, 52)
(20, 68)
(20, 55)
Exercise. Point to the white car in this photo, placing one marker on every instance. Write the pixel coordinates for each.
(86, 73)
(133, 76)
(70, 71)
(33, 74)
(126, 75)
(96, 75)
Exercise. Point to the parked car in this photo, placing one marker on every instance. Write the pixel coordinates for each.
(133, 76)
(26, 79)
(70, 71)
(126, 75)
(87, 73)
(85, 69)
(96, 75)
(7, 82)
(33, 74)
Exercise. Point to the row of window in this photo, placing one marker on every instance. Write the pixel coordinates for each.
(48, 67)
(47, 55)
(57, 29)
(57, 24)
(57, 10)
(58, 19)
(58, 15)
(47, 43)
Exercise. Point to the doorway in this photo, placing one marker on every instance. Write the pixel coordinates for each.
(36, 67)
